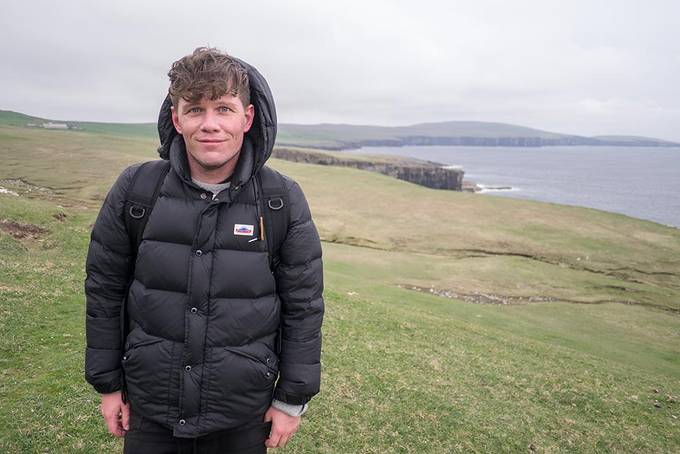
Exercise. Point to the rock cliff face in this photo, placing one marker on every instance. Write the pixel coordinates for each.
(424, 173)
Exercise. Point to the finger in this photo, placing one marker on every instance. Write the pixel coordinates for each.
(284, 440)
(113, 425)
(125, 419)
(273, 440)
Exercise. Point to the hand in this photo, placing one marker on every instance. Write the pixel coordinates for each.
(116, 413)
(283, 427)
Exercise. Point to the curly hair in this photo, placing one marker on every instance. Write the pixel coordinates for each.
(209, 73)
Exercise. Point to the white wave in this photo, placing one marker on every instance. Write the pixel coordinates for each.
(495, 188)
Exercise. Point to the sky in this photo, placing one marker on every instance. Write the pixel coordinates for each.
(577, 67)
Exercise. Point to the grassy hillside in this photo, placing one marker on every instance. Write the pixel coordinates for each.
(342, 136)
(10, 118)
(73, 164)
(142, 130)
(455, 322)
(449, 128)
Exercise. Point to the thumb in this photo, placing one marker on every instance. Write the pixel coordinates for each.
(125, 416)
(268, 415)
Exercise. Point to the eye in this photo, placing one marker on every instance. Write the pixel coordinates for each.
(225, 109)
(194, 110)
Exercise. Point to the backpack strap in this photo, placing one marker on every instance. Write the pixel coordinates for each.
(275, 208)
(141, 197)
(139, 201)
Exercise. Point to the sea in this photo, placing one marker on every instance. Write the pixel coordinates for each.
(642, 182)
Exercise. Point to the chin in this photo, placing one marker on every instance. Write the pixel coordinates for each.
(212, 165)
(211, 160)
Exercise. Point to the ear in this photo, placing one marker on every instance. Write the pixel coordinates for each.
(250, 115)
(175, 120)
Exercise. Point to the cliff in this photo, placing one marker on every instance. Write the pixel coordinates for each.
(424, 173)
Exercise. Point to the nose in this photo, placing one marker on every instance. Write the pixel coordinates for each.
(209, 123)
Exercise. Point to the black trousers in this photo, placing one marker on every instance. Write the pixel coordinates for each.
(148, 437)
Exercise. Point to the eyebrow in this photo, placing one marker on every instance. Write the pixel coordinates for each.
(227, 103)
(190, 106)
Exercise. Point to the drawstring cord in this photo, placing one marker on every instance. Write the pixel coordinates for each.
(256, 192)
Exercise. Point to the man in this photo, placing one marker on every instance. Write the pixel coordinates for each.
(211, 316)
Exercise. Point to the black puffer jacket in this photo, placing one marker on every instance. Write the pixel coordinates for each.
(204, 305)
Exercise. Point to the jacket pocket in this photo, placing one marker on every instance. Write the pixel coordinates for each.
(265, 358)
(146, 363)
(241, 382)
(129, 349)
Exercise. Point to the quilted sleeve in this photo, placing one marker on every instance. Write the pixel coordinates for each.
(299, 280)
(108, 268)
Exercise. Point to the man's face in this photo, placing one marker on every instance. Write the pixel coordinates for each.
(213, 130)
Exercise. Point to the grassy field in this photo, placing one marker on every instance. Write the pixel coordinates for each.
(455, 322)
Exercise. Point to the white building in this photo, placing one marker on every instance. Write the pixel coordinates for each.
(50, 125)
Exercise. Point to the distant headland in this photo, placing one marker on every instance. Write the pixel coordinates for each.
(338, 137)
(450, 133)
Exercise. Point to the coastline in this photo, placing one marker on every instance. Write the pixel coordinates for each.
(639, 182)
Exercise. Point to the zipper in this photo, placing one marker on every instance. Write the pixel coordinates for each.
(265, 363)
(138, 345)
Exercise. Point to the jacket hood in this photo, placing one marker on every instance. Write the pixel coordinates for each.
(258, 142)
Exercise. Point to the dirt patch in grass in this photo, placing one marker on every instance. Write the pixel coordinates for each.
(489, 298)
(20, 186)
(478, 297)
(22, 231)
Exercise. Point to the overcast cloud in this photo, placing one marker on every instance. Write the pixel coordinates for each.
(581, 67)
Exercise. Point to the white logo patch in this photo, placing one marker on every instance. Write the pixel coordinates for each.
(244, 229)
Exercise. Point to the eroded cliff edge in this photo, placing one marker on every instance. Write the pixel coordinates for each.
(425, 173)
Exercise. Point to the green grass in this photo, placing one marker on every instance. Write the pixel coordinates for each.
(140, 130)
(73, 165)
(403, 371)
(10, 118)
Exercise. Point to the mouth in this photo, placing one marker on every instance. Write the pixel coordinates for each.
(211, 140)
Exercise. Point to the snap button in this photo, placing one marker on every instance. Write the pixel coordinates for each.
(125, 358)
(268, 374)
(204, 195)
(216, 199)
(268, 360)
(199, 253)
(194, 310)
(187, 368)
(182, 422)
